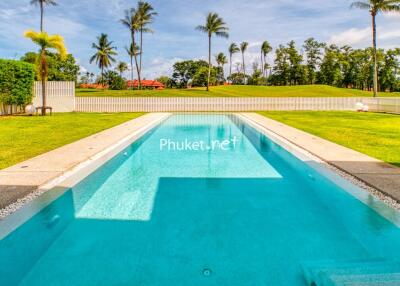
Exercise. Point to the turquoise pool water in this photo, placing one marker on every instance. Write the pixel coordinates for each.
(240, 210)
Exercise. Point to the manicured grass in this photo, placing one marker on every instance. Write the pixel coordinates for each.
(24, 137)
(235, 91)
(374, 134)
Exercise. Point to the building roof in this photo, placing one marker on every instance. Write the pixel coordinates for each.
(145, 83)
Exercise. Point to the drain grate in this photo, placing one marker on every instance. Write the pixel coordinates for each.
(207, 272)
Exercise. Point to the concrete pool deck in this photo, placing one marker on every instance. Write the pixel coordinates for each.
(20, 180)
(375, 173)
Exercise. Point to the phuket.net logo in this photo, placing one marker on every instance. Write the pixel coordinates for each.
(198, 145)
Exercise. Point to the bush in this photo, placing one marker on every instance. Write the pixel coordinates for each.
(118, 83)
(114, 80)
(16, 82)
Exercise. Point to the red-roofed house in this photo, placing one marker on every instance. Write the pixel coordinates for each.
(145, 84)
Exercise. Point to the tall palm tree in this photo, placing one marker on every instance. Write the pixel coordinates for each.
(221, 61)
(243, 48)
(375, 7)
(46, 42)
(132, 22)
(133, 51)
(121, 68)
(233, 49)
(146, 17)
(42, 3)
(104, 55)
(265, 50)
(214, 25)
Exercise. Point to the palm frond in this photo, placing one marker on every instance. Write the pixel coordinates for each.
(361, 5)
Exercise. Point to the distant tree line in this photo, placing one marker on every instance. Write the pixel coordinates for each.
(335, 66)
(316, 63)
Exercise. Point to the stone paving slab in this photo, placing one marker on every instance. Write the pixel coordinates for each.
(19, 180)
(378, 174)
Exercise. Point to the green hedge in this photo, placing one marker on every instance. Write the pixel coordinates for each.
(16, 82)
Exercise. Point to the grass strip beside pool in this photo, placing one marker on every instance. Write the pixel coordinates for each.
(24, 137)
(374, 134)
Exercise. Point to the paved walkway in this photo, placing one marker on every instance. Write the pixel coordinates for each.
(378, 174)
(19, 180)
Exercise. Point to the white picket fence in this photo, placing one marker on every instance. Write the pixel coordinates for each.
(224, 104)
(60, 95)
(383, 104)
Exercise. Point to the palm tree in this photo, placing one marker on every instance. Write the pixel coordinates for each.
(104, 55)
(132, 22)
(221, 61)
(265, 50)
(46, 42)
(214, 25)
(243, 48)
(133, 51)
(146, 17)
(374, 7)
(121, 68)
(233, 49)
(42, 3)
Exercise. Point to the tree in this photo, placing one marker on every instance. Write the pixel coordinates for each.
(265, 50)
(121, 68)
(237, 78)
(105, 53)
(58, 69)
(133, 51)
(389, 72)
(214, 25)
(375, 7)
(201, 79)
(221, 61)
(42, 3)
(281, 69)
(257, 77)
(183, 72)
(243, 48)
(165, 80)
(146, 17)
(313, 56)
(297, 72)
(132, 22)
(46, 42)
(233, 49)
(330, 66)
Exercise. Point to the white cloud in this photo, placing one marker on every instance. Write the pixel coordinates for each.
(351, 37)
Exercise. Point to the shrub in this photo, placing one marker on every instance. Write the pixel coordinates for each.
(118, 83)
(16, 82)
(114, 80)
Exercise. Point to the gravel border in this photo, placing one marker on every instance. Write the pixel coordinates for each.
(8, 210)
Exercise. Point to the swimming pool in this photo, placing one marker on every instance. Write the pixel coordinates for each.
(202, 200)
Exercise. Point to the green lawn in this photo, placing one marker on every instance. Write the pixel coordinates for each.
(24, 137)
(235, 91)
(377, 135)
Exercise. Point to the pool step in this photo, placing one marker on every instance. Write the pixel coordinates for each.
(387, 279)
(352, 273)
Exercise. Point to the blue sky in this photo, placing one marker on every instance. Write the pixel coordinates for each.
(175, 38)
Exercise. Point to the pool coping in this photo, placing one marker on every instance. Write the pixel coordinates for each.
(376, 174)
(65, 166)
